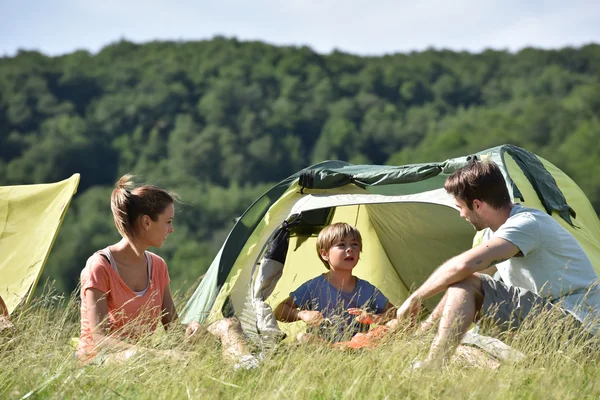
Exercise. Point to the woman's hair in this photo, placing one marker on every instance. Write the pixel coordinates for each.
(335, 233)
(129, 203)
(481, 180)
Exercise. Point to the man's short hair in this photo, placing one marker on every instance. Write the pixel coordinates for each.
(333, 234)
(481, 180)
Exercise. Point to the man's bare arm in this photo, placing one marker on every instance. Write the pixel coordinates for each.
(458, 268)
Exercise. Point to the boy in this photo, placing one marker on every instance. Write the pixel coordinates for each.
(331, 301)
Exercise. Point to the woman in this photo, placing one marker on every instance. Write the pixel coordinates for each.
(125, 288)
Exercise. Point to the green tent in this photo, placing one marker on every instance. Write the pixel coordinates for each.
(408, 222)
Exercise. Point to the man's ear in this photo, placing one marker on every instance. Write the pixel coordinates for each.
(324, 255)
(476, 205)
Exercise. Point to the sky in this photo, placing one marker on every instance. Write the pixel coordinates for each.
(379, 27)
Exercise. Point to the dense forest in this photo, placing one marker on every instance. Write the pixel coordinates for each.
(220, 121)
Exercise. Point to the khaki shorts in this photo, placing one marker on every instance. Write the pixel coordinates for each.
(508, 306)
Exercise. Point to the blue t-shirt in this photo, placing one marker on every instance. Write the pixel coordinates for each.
(318, 294)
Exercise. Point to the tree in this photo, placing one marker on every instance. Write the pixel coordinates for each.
(220, 121)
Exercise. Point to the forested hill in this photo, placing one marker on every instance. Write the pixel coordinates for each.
(220, 121)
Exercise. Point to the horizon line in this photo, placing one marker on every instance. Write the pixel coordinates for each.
(122, 39)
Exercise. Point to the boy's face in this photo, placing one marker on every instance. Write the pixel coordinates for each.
(343, 255)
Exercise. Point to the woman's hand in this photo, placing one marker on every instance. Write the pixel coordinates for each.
(312, 318)
(192, 329)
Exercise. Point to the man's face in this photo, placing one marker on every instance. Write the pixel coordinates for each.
(472, 216)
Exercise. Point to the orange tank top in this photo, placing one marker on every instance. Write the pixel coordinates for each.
(130, 315)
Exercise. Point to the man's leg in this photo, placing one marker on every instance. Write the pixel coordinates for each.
(463, 300)
(435, 315)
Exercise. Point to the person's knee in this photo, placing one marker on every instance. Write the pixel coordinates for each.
(472, 284)
(472, 287)
(224, 325)
(231, 322)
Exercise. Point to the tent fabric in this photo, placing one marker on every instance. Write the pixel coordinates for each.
(377, 175)
(242, 244)
(30, 216)
(269, 272)
(409, 226)
(317, 201)
(586, 225)
(367, 175)
(251, 218)
(542, 181)
(199, 305)
(271, 265)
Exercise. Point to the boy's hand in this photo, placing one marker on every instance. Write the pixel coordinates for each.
(312, 318)
(364, 317)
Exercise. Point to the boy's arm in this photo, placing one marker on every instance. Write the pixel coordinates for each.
(287, 311)
(364, 317)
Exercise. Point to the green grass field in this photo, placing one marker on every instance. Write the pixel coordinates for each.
(38, 362)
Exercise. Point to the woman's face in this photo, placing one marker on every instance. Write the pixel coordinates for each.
(156, 232)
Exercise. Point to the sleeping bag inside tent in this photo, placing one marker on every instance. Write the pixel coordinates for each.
(409, 226)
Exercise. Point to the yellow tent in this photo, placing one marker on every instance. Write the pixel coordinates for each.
(30, 216)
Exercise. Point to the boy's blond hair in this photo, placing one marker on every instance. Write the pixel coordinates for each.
(333, 234)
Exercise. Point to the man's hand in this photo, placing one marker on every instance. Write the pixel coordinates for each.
(312, 318)
(409, 310)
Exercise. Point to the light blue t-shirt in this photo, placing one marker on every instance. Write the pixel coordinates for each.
(552, 263)
(318, 294)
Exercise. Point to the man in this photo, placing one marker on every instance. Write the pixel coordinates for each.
(540, 263)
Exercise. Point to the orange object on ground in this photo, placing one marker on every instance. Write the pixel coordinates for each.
(365, 340)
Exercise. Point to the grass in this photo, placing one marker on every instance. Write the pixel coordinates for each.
(38, 362)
